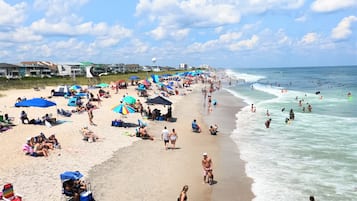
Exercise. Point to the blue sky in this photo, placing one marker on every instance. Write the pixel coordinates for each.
(219, 33)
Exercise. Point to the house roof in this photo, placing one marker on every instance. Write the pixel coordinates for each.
(7, 65)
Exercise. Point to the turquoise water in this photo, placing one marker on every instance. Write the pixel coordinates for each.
(315, 154)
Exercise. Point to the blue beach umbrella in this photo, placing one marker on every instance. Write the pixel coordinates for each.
(134, 77)
(35, 102)
(75, 88)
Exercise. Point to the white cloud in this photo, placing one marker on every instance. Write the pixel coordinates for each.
(245, 44)
(282, 38)
(343, 29)
(260, 6)
(175, 15)
(309, 38)
(231, 36)
(12, 15)
(301, 18)
(139, 47)
(164, 32)
(332, 5)
(57, 9)
(112, 34)
(20, 35)
(158, 33)
(223, 41)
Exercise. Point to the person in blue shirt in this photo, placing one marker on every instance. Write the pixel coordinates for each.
(195, 126)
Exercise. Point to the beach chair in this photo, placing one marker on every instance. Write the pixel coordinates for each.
(142, 123)
(8, 193)
(68, 192)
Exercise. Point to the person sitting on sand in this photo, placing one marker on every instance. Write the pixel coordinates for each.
(23, 117)
(39, 148)
(53, 140)
(89, 135)
(213, 129)
(195, 126)
(74, 188)
(144, 134)
(28, 148)
(49, 119)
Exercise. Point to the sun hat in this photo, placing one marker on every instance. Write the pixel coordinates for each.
(205, 154)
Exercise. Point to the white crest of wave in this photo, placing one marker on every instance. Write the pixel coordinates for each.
(243, 76)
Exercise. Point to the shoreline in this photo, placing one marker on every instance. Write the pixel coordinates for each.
(231, 168)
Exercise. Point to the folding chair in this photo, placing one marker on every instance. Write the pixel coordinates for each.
(8, 193)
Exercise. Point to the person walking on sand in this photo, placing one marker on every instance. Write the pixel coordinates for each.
(173, 137)
(90, 116)
(207, 168)
(183, 194)
(165, 136)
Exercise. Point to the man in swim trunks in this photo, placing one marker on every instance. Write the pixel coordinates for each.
(165, 136)
(207, 168)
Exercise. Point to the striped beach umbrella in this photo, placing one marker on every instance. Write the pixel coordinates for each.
(124, 109)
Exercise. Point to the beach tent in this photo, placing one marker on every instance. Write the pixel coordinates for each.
(102, 85)
(159, 100)
(61, 90)
(73, 101)
(35, 102)
(155, 78)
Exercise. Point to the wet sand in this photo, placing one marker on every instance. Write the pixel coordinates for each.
(229, 168)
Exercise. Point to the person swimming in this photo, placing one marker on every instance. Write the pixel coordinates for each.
(267, 123)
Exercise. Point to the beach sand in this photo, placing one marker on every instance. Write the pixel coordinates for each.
(120, 167)
(146, 171)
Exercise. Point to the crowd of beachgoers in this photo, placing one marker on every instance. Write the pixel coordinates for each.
(98, 115)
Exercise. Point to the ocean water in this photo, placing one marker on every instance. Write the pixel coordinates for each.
(316, 153)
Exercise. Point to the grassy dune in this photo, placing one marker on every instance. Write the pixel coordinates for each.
(30, 82)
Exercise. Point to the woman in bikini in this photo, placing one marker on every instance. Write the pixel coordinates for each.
(183, 194)
(173, 137)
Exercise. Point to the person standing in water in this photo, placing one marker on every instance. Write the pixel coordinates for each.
(267, 123)
(292, 115)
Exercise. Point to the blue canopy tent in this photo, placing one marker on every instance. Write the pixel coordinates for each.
(35, 102)
(159, 100)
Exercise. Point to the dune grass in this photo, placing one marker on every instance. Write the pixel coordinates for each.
(31, 82)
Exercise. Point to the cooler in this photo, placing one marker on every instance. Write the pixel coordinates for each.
(86, 196)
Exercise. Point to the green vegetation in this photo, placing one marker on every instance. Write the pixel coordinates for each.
(31, 82)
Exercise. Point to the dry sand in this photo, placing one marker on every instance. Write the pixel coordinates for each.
(119, 167)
